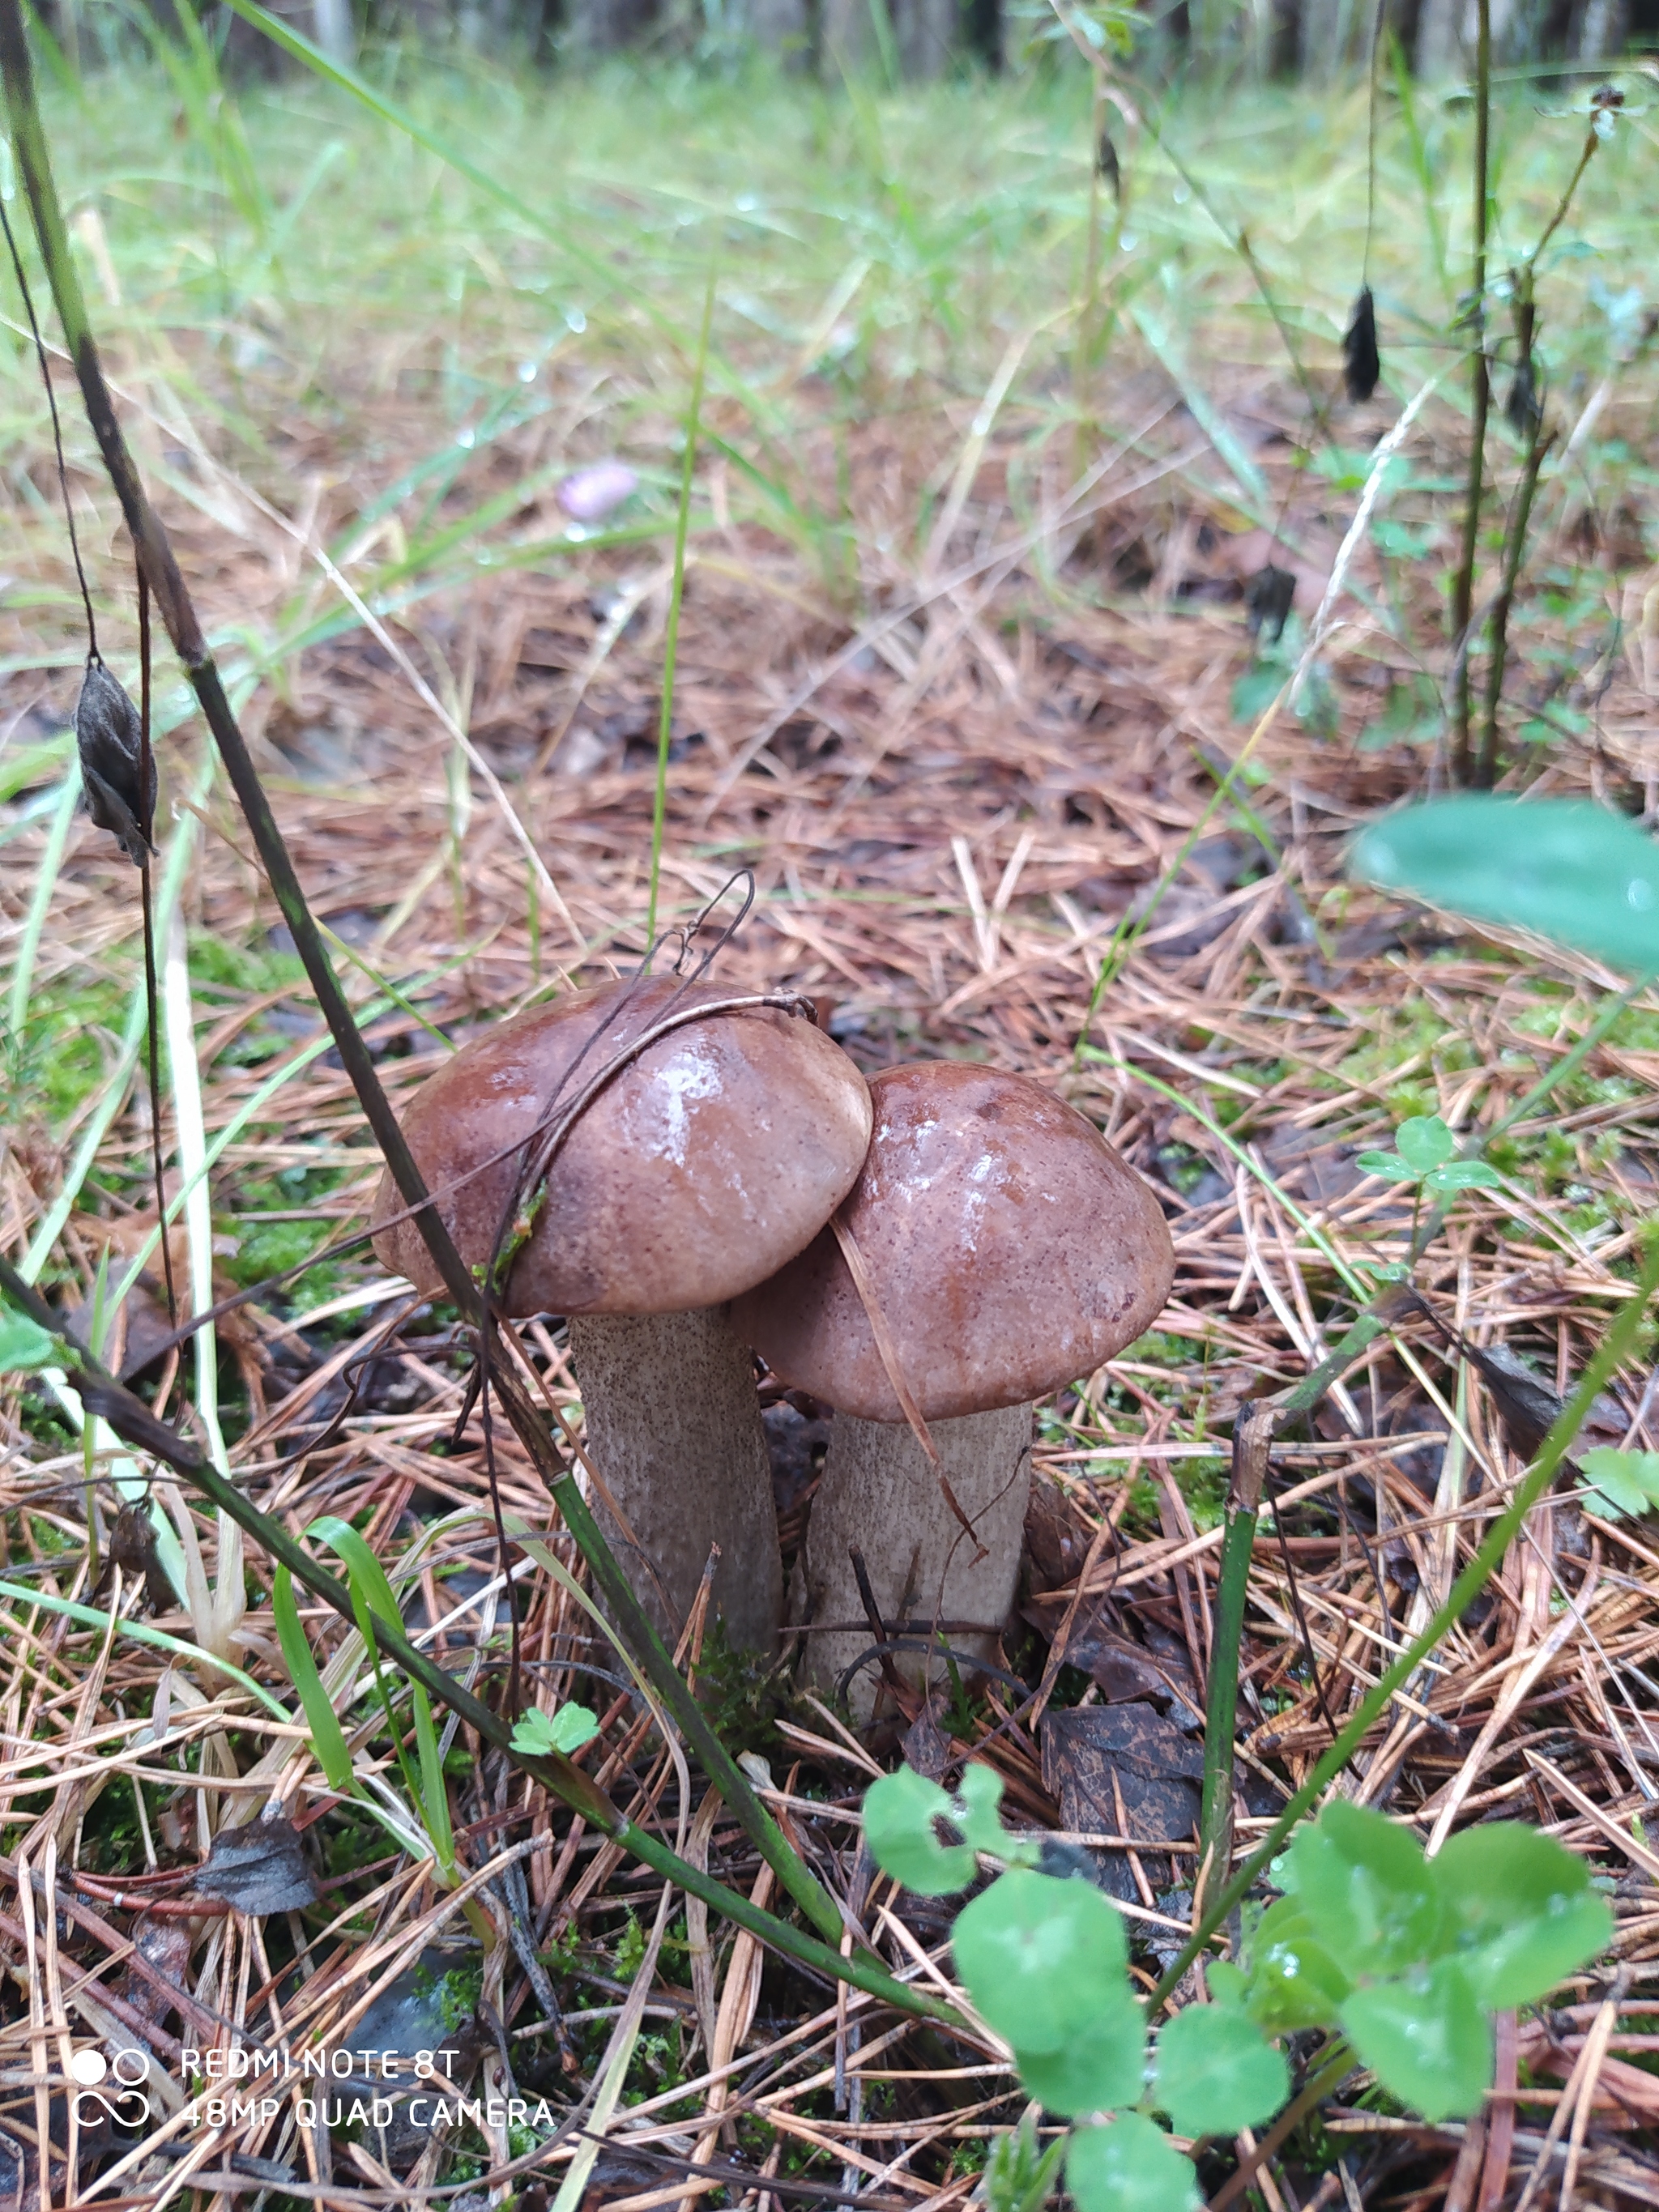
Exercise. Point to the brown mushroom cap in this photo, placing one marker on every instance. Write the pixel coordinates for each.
(697, 1171)
(1009, 1248)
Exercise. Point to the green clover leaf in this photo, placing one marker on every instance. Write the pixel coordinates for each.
(536, 1734)
(1130, 2167)
(1217, 2073)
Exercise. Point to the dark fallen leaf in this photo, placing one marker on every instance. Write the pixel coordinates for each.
(1156, 1769)
(133, 1547)
(1267, 597)
(1056, 1543)
(109, 741)
(164, 1946)
(1362, 367)
(924, 1747)
(258, 1869)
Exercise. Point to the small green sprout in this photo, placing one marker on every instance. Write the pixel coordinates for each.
(1423, 1155)
(538, 1733)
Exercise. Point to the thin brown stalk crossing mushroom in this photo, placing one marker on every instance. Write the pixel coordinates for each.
(1006, 1251)
(686, 1172)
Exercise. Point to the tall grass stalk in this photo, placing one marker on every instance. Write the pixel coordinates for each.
(676, 594)
(1462, 603)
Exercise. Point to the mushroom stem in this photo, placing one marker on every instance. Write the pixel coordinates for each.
(674, 1429)
(880, 1491)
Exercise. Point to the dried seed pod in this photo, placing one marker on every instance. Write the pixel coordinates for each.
(110, 742)
(1522, 410)
(1361, 366)
(1106, 162)
(1267, 597)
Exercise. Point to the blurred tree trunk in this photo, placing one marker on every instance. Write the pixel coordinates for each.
(333, 29)
(781, 28)
(1601, 30)
(604, 26)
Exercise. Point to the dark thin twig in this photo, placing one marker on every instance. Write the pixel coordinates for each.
(1463, 601)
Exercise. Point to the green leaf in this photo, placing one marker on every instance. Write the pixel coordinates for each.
(567, 1730)
(1387, 1164)
(1103, 2065)
(1628, 1482)
(1463, 1175)
(1564, 868)
(1229, 1984)
(1523, 1910)
(1130, 2167)
(1368, 1892)
(974, 1810)
(25, 1346)
(1427, 2039)
(1425, 1142)
(1293, 1981)
(900, 1813)
(1216, 2073)
(1043, 1958)
(327, 1739)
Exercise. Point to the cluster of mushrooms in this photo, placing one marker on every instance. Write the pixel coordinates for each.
(927, 1253)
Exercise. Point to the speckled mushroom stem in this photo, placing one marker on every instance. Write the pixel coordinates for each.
(880, 1491)
(674, 1428)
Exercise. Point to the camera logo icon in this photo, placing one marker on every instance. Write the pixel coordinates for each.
(110, 2086)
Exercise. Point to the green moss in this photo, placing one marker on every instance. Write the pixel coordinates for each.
(63, 1053)
(218, 965)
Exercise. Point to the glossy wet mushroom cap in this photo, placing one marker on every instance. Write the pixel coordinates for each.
(699, 1169)
(1009, 1248)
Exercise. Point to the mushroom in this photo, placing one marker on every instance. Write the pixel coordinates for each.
(694, 1170)
(1006, 1251)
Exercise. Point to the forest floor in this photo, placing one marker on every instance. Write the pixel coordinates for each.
(962, 663)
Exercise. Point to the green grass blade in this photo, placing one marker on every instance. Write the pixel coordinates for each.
(372, 1600)
(327, 1739)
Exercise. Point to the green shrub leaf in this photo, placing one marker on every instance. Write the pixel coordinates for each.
(1102, 2066)
(1370, 1899)
(1566, 868)
(1427, 2039)
(1043, 1958)
(1130, 2167)
(1216, 2074)
(1625, 1481)
(1293, 1981)
(1523, 1908)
